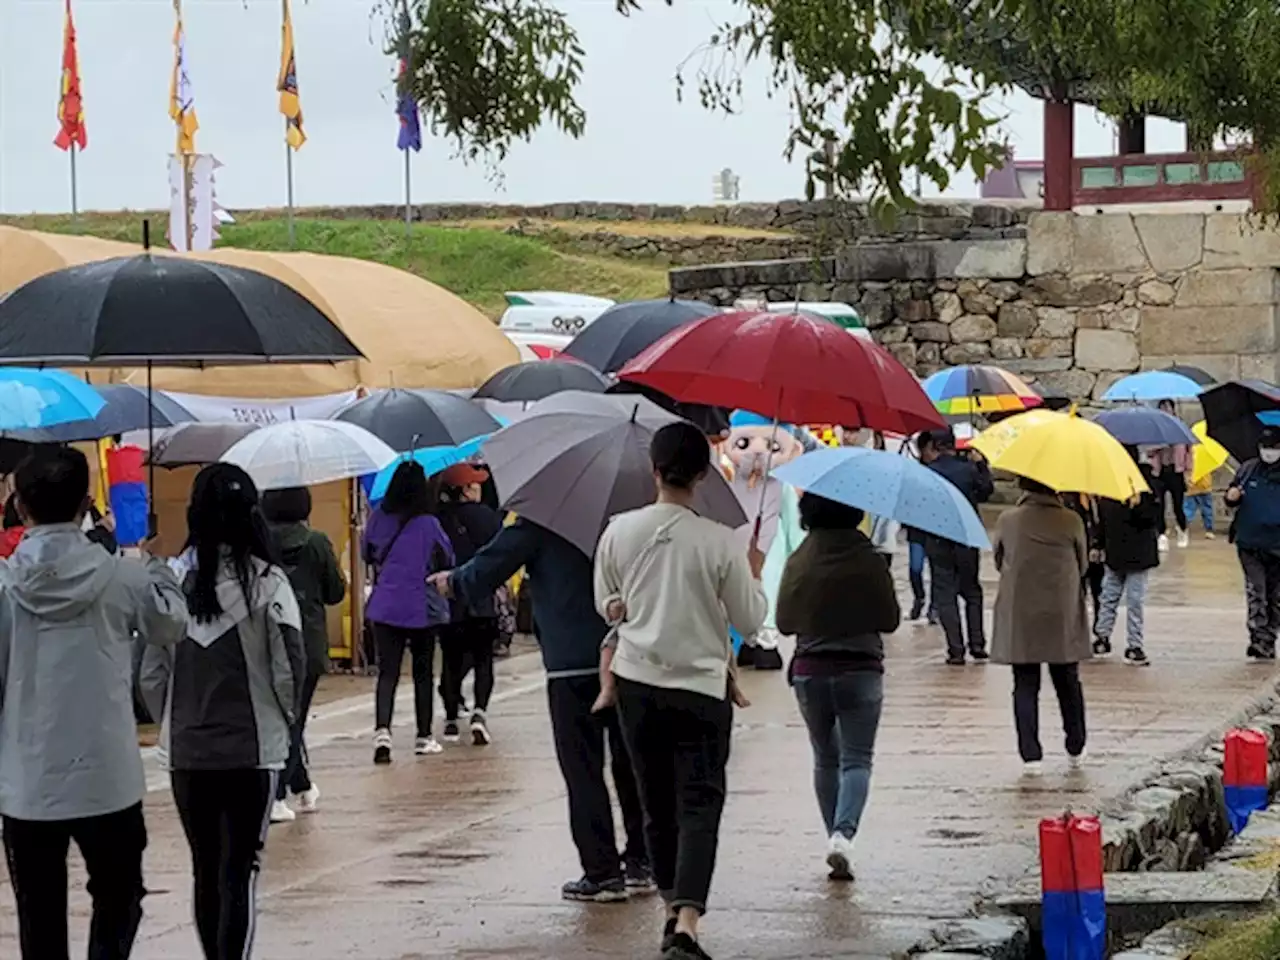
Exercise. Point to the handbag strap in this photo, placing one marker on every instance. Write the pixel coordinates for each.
(377, 562)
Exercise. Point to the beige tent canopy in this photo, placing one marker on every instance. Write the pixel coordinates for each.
(414, 333)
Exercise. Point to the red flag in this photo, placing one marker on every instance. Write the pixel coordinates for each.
(71, 128)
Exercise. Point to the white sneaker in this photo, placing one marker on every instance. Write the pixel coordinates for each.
(1033, 769)
(1210, 535)
(280, 813)
(1163, 543)
(308, 799)
(1183, 539)
(1077, 762)
(425, 746)
(382, 745)
(840, 857)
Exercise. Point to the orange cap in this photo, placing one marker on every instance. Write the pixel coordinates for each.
(461, 474)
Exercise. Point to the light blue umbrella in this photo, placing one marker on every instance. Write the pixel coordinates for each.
(1154, 385)
(31, 399)
(888, 485)
(433, 460)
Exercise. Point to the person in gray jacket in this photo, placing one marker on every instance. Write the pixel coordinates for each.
(70, 768)
(227, 694)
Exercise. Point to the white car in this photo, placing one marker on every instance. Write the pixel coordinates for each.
(549, 318)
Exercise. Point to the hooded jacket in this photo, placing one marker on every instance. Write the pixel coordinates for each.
(470, 527)
(227, 692)
(68, 612)
(312, 566)
(1129, 534)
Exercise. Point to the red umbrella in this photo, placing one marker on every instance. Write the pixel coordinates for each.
(791, 366)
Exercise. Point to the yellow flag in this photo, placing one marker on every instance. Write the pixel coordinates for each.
(287, 84)
(182, 102)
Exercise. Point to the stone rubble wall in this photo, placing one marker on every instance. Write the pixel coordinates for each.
(1075, 305)
(847, 219)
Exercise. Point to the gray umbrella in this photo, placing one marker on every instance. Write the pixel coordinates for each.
(577, 459)
(195, 444)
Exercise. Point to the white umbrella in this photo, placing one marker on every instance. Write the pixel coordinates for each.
(301, 453)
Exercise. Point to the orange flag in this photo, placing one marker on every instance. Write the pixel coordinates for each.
(71, 128)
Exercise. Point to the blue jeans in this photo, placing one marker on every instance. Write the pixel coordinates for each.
(843, 715)
(1201, 503)
(1132, 588)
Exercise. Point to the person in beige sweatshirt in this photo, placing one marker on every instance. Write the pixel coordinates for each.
(680, 581)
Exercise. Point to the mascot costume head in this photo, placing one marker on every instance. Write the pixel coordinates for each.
(754, 447)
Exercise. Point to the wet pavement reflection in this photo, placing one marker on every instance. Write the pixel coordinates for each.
(462, 855)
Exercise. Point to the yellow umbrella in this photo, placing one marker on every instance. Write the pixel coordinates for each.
(1064, 452)
(1209, 453)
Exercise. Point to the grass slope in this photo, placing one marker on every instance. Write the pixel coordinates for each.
(476, 264)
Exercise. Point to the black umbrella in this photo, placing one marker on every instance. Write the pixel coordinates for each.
(126, 410)
(1231, 414)
(625, 330)
(164, 310)
(539, 379)
(713, 421)
(195, 444)
(408, 419)
(1200, 376)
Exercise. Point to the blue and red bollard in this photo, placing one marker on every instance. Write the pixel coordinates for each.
(1244, 776)
(1073, 903)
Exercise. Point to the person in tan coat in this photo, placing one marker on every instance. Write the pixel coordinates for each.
(1043, 556)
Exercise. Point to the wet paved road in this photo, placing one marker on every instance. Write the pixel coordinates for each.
(462, 855)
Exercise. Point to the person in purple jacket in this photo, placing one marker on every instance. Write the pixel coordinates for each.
(403, 545)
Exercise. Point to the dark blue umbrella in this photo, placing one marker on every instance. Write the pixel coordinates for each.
(125, 409)
(1144, 427)
(624, 331)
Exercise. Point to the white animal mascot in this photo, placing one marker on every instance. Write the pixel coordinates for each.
(753, 448)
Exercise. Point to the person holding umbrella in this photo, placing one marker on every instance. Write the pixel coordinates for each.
(1254, 495)
(953, 567)
(471, 634)
(1042, 553)
(681, 582)
(1170, 466)
(404, 544)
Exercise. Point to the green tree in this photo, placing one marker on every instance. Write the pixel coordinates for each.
(884, 87)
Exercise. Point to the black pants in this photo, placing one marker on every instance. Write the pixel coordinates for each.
(953, 576)
(391, 642)
(225, 814)
(1173, 485)
(679, 744)
(1093, 579)
(296, 777)
(1262, 597)
(1026, 707)
(467, 644)
(581, 737)
(112, 848)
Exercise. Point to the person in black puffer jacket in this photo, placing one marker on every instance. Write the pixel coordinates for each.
(308, 558)
(1129, 534)
(469, 638)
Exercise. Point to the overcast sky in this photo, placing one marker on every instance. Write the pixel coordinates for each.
(641, 143)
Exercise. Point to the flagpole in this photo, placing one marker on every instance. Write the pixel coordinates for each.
(288, 171)
(188, 219)
(408, 209)
(75, 206)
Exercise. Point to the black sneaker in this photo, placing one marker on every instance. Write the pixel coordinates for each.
(640, 878)
(917, 609)
(480, 735)
(932, 619)
(1256, 652)
(955, 661)
(684, 947)
(668, 933)
(588, 891)
(1137, 657)
(451, 734)
(979, 656)
(1101, 647)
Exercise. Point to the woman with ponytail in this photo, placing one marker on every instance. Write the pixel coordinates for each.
(227, 694)
(673, 583)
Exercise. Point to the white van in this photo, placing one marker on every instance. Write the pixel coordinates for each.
(549, 317)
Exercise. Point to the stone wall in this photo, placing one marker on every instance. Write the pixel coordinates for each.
(1073, 306)
(839, 219)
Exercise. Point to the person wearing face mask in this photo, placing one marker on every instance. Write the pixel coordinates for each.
(1254, 494)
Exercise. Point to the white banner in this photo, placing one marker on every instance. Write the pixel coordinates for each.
(203, 208)
(262, 412)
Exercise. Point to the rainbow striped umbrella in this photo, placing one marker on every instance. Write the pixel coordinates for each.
(978, 388)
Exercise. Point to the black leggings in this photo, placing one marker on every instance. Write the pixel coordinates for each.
(390, 642)
(1026, 707)
(225, 814)
(296, 777)
(1173, 484)
(467, 645)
